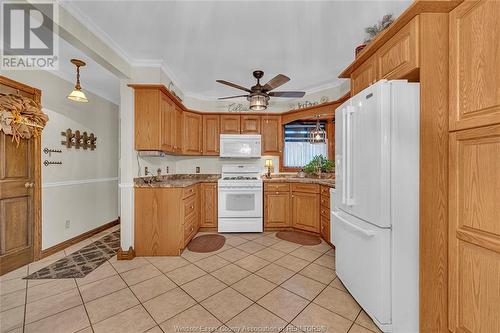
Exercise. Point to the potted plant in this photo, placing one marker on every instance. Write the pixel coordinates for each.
(318, 165)
(374, 30)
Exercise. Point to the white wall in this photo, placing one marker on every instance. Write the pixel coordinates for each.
(84, 189)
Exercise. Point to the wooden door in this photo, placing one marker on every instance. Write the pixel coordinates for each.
(271, 135)
(250, 124)
(193, 133)
(230, 124)
(177, 129)
(277, 209)
(211, 134)
(305, 211)
(16, 203)
(208, 205)
(167, 108)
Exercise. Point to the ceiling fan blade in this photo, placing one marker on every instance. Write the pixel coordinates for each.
(229, 97)
(287, 94)
(275, 82)
(234, 85)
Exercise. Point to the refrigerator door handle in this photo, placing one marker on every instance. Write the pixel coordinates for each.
(344, 157)
(363, 232)
(348, 183)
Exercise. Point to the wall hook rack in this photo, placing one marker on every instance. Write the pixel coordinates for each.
(47, 163)
(49, 151)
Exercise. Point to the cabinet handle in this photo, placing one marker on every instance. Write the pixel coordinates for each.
(27, 185)
(191, 207)
(276, 192)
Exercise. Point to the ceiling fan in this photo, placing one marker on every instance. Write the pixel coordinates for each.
(258, 95)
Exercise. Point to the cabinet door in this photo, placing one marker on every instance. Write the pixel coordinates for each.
(193, 132)
(208, 205)
(250, 124)
(147, 119)
(211, 134)
(276, 209)
(305, 211)
(167, 108)
(325, 228)
(364, 75)
(474, 64)
(177, 129)
(474, 237)
(230, 124)
(271, 135)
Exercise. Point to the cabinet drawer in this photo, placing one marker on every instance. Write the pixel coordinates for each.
(277, 187)
(325, 191)
(325, 202)
(308, 188)
(188, 191)
(189, 230)
(189, 206)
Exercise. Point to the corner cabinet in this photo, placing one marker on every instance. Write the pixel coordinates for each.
(271, 135)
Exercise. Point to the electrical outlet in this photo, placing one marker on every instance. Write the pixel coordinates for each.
(197, 169)
(67, 224)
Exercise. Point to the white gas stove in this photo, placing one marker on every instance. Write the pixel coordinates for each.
(240, 199)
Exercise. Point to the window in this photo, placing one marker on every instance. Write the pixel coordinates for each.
(297, 149)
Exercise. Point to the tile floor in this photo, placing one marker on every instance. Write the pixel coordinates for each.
(256, 281)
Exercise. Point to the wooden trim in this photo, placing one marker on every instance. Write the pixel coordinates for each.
(77, 239)
(417, 7)
(125, 255)
(325, 109)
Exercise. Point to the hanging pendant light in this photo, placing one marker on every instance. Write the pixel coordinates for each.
(77, 94)
(317, 134)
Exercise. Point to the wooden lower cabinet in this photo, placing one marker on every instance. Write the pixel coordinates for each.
(208, 205)
(305, 211)
(277, 209)
(325, 228)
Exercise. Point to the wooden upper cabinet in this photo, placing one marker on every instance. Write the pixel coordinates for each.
(177, 129)
(277, 209)
(474, 228)
(364, 75)
(193, 133)
(250, 124)
(230, 124)
(147, 119)
(474, 64)
(399, 56)
(167, 108)
(211, 134)
(271, 135)
(208, 196)
(305, 211)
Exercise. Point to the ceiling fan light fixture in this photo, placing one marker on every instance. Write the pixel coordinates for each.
(317, 134)
(258, 102)
(77, 94)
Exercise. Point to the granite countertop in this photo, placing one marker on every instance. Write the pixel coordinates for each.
(327, 179)
(178, 180)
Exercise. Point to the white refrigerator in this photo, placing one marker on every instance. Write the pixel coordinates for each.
(375, 211)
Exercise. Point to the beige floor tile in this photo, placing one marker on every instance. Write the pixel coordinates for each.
(167, 264)
(251, 236)
(330, 252)
(253, 287)
(338, 284)
(321, 248)
(203, 287)
(10, 286)
(185, 274)
(326, 260)
(71, 320)
(50, 288)
(266, 241)
(233, 254)
(86, 330)
(270, 254)
(11, 319)
(212, 263)
(252, 263)
(195, 256)
(101, 272)
(17, 273)
(275, 273)
(256, 317)
(339, 302)
(251, 247)
(133, 320)
(152, 287)
(101, 288)
(292, 263)
(12, 300)
(306, 254)
(359, 329)
(168, 304)
(230, 274)
(225, 247)
(285, 246)
(126, 265)
(235, 241)
(195, 316)
(226, 304)
(49, 306)
(283, 303)
(155, 329)
(223, 329)
(291, 329)
(364, 320)
(140, 274)
(319, 273)
(314, 315)
(109, 305)
(303, 286)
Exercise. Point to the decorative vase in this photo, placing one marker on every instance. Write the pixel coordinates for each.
(358, 49)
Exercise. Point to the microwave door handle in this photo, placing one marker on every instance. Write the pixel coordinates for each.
(361, 231)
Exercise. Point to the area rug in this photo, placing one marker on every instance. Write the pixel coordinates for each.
(82, 262)
(206, 243)
(299, 237)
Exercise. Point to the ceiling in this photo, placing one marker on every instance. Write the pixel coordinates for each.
(198, 42)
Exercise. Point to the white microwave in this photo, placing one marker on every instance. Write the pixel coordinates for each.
(240, 145)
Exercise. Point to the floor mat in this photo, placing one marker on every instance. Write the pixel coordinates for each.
(82, 262)
(207, 243)
(299, 237)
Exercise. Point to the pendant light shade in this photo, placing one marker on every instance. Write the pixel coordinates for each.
(258, 102)
(77, 94)
(317, 134)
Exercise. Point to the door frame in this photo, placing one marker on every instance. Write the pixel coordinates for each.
(36, 95)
